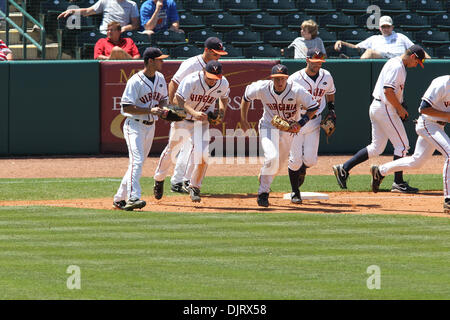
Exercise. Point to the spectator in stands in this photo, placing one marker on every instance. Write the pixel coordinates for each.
(386, 45)
(157, 15)
(124, 11)
(5, 52)
(114, 47)
(308, 40)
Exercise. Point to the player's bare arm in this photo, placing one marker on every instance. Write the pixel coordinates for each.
(245, 105)
(197, 115)
(132, 109)
(223, 104)
(83, 11)
(392, 98)
(435, 113)
(173, 87)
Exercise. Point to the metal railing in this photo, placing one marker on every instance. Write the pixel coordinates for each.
(23, 30)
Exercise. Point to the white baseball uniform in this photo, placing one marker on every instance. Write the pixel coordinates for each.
(139, 130)
(275, 143)
(183, 169)
(305, 144)
(386, 123)
(431, 134)
(200, 97)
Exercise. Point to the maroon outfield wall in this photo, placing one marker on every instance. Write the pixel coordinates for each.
(114, 75)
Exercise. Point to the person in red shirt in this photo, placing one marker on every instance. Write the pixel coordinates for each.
(5, 52)
(114, 47)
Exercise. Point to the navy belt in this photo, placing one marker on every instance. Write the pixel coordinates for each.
(442, 123)
(377, 99)
(190, 120)
(148, 123)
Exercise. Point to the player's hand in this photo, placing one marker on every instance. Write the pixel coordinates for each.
(403, 113)
(338, 45)
(201, 116)
(245, 125)
(156, 111)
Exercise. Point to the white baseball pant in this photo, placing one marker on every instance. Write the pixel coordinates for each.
(182, 170)
(432, 137)
(139, 138)
(305, 146)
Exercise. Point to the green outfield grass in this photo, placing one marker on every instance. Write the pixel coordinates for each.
(150, 255)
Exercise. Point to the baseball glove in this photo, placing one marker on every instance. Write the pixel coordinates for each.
(328, 123)
(214, 118)
(172, 113)
(285, 125)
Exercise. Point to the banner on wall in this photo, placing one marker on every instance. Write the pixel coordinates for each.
(114, 76)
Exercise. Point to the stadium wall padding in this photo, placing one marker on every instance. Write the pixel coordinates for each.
(54, 107)
(4, 96)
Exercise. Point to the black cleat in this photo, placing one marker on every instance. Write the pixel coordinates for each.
(341, 175)
(263, 199)
(158, 189)
(376, 178)
(195, 194)
(119, 204)
(403, 187)
(447, 207)
(185, 186)
(134, 204)
(296, 198)
(177, 187)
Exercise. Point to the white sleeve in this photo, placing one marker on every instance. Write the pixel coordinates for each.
(251, 91)
(99, 6)
(131, 92)
(135, 11)
(433, 93)
(408, 43)
(366, 44)
(306, 99)
(184, 69)
(331, 89)
(185, 88)
(391, 78)
(163, 91)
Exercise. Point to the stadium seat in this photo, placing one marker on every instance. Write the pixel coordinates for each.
(336, 21)
(202, 7)
(279, 37)
(85, 43)
(316, 7)
(198, 37)
(190, 22)
(288, 53)
(186, 51)
(242, 38)
(142, 46)
(409, 34)
(66, 36)
(441, 21)
(169, 38)
(261, 21)
(366, 20)
(277, 7)
(241, 6)
(430, 51)
(293, 21)
(327, 37)
(391, 7)
(352, 7)
(138, 38)
(349, 52)
(426, 7)
(354, 35)
(262, 51)
(411, 22)
(442, 52)
(48, 13)
(432, 38)
(233, 52)
(223, 21)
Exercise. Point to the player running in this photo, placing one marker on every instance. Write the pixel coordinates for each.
(280, 98)
(387, 112)
(434, 115)
(305, 145)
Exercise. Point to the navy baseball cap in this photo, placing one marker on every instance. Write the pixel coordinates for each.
(315, 55)
(154, 53)
(213, 70)
(279, 70)
(215, 45)
(418, 52)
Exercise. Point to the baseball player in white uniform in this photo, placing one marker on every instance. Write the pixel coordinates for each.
(386, 115)
(182, 171)
(197, 94)
(280, 98)
(434, 115)
(305, 145)
(145, 93)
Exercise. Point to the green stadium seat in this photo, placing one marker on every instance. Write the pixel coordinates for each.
(198, 37)
(288, 53)
(138, 38)
(354, 35)
(48, 14)
(432, 37)
(241, 6)
(426, 7)
(169, 38)
(279, 37)
(262, 51)
(262, 21)
(278, 7)
(242, 38)
(85, 43)
(223, 21)
(186, 51)
(293, 21)
(352, 7)
(203, 7)
(66, 34)
(316, 7)
(442, 52)
(328, 37)
(411, 22)
(189, 22)
(337, 21)
(233, 52)
(430, 51)
(441, 21)
(391, 7)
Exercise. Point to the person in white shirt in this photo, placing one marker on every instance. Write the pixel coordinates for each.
(434, 115)
(386, 45)
(386, 113)
(308, 40)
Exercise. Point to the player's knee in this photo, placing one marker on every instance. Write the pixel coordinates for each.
(310, 161)
(295, 165)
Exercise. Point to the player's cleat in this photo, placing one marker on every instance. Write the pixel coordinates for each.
(158, 189)
(195, 194)
(296, 198)
(177, 187)
(185, 187)
(447, 207)
(134, 204)
(119, 204)
(341, 175)
(263, 199)
(376, 178)
(403, 188)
